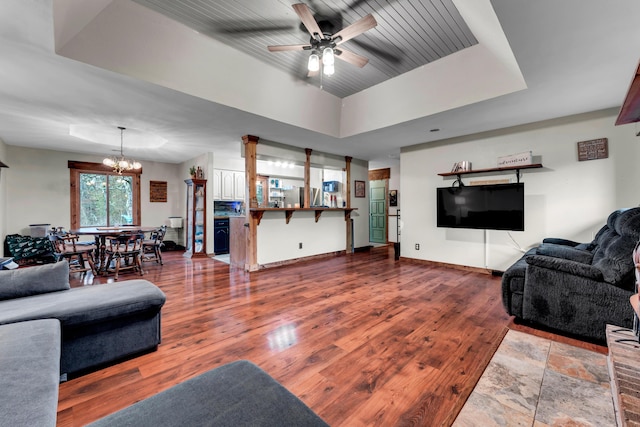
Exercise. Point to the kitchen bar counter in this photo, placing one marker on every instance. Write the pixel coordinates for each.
(257, 213)
(237, 241)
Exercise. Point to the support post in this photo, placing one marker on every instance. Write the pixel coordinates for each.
(307, 179)
(348, 204)
(251, 201)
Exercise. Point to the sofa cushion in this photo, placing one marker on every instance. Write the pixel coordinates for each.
(30, 371)
(629, 224)
(616, 261)
(565, 252)
(39, 279)
(236, 394)
(86, 305)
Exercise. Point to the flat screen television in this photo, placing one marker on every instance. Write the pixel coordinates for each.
(490, 207)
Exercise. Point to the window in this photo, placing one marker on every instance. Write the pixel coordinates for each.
(101, 198)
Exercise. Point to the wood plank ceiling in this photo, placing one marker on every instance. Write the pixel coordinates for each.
(410, 33)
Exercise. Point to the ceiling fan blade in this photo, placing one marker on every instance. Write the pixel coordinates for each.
(308, 20)
(286, 47)
(351, 58)
(355, 29)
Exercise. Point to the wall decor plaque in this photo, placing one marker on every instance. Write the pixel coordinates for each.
(519, 159)
(593, 149)
(158, 191)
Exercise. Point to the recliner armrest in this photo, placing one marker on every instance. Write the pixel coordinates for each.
(565, 252)
(567, 266)
(559, 241)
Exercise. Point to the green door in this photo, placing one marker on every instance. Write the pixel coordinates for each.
(377, 211)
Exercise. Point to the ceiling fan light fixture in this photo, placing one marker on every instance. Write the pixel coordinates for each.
(329, 70)
(328, 58)
(314, 62)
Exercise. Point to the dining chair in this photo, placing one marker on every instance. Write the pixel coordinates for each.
(124, 252)
(78, 255)
(152, 247)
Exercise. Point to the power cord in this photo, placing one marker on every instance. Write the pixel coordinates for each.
(516, 244)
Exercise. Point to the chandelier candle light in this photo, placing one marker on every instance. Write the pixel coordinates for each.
(121, 164)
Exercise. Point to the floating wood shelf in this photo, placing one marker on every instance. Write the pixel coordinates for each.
(502, 169)
(257, 213)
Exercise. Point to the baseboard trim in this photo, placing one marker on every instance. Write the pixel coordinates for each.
(302, 259)
(448, 265)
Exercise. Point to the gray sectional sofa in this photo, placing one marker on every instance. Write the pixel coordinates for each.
(100, 324)
(48, 329)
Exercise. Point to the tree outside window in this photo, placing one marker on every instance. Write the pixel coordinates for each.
(105, 200)
(101, 198)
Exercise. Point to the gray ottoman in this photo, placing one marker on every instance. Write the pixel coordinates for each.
(236, 394)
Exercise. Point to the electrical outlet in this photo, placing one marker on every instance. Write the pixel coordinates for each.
(300, 245)
(417, 246)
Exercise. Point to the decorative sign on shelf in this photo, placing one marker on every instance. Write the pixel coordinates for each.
(519, 159)
(158, 191)
(490, 181)
(593, 149)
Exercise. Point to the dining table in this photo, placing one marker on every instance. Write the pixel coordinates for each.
(101, 233)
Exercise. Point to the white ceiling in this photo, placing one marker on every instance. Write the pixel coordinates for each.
(136, 68)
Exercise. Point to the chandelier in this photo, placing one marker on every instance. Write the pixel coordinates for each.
(121, 164)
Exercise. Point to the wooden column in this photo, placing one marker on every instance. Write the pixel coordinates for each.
(251, 201)
(348, 205)
(307, 179)
(347, 169)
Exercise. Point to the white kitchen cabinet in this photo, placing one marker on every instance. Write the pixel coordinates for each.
(230, 185)
(238, 185)
(217, 184)
(227, 186)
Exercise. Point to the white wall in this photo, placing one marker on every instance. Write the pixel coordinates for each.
(37, 189)
(3, 196)
(566, 198)
(360, 216)
(279, 241)
(228, 163)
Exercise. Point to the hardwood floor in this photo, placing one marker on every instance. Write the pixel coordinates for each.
(362, 339)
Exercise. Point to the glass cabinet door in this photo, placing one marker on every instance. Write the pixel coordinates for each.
(196, 218)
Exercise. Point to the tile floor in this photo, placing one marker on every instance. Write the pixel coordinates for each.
(223, 258)
(536, 382)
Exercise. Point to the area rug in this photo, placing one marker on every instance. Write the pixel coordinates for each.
(532, 381)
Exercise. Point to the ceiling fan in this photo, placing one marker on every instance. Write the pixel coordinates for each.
(323, 44)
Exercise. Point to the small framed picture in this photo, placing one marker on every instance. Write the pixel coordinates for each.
(360, 189)
(393, 198)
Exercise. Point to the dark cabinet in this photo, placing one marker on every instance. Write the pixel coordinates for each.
(221, 236)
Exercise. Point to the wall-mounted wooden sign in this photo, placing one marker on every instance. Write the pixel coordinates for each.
(158, 191)
(593, 149)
